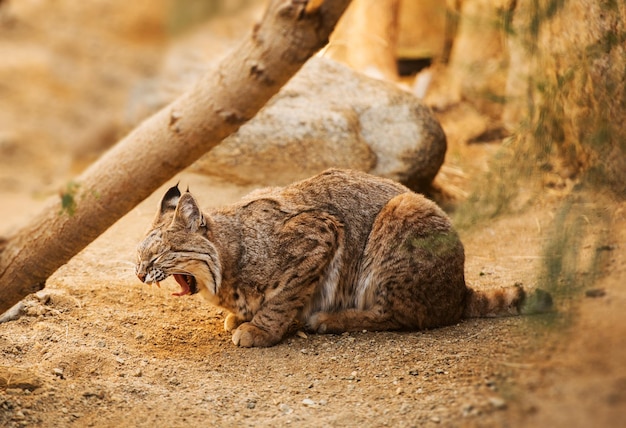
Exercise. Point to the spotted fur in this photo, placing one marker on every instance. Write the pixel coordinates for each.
(341, 251)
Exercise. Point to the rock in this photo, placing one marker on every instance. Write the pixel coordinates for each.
(497, 403)
(423, 26)
(56, 298)
(16, 378)
(552, 61)
(308, 402)
(13, 313)
(595, 292)
(467, 409)
(94, 393)
(487, 66)
(285, 409)
(352, 41)
(463, 123)
(330, 116)
(58, 372)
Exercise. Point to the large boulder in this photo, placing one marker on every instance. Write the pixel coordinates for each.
(331, 116)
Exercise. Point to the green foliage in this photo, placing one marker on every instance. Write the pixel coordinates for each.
(185, 14)
(498, 191)
(562, 250)
(439, 244)
(68, 198)
(574, 125)
(578, 101)
(575, 251)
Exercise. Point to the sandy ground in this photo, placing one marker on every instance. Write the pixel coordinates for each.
(98, 348)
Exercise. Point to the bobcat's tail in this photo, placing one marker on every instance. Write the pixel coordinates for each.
(505, 302)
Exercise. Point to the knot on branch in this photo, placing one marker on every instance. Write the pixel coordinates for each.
(174, 117)
(232, 117)
(299, 9)
(258, 72)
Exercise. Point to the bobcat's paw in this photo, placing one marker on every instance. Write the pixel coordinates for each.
(231, 322)
(248, 335)
(317, 323)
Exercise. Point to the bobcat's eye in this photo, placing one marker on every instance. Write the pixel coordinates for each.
(156, 258)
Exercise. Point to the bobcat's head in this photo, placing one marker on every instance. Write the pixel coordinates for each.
(178, 244)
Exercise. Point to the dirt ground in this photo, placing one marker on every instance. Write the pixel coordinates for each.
(98, 348)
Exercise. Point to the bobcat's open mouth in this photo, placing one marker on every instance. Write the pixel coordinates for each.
(187, 283)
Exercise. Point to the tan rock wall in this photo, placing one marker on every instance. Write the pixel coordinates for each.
(552, 71)
(567, 82)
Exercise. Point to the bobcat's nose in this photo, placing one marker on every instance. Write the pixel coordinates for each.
(141, 272)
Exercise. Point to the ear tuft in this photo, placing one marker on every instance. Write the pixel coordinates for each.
(170, 199)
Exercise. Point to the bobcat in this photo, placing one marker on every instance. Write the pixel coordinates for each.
(341, 251)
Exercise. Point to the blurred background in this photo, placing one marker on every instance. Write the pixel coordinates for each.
(530, 94)
(546, 78)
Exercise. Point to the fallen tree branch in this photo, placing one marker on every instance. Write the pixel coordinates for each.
(288, 34)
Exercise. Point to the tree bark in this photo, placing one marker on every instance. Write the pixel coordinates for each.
(287, 35)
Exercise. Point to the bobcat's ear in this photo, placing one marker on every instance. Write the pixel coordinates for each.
(170, 200)
(188, 213)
